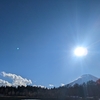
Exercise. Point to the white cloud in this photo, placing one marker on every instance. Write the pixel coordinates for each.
(17, 80)
(51, 85)
(34, 85)
(39, 86)
(4, 83)
(62, 84)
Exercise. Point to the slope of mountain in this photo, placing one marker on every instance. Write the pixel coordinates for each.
(84, 79)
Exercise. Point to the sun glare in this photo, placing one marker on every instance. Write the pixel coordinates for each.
(80, 51)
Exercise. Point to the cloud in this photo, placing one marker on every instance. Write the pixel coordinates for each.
(39, 86)
(4, 83)
(51, 85)
(35, 86)
(17, 80)
(62, 84)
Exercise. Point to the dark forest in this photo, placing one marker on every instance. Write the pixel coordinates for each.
(89, 90)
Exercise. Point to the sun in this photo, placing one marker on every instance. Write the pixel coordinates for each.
(80, 51)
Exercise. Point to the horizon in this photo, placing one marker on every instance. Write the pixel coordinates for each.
(25, 82)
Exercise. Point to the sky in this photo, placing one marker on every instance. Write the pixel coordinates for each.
(38, 37)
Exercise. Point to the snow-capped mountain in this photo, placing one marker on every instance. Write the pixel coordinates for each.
(84, 79)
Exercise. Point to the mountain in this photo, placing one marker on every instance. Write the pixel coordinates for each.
(84, 79)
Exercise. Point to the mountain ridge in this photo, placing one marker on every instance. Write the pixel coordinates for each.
(84, 79)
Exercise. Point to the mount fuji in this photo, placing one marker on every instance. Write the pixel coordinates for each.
(84, 79)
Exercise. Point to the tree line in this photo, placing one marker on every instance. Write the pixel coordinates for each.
(85, 90)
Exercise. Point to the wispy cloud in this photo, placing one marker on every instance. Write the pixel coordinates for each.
(62, 84)
(16, 79)
(39, 86)
(34, 85)
(51, 85)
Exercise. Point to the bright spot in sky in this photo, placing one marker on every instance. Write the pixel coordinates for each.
(80, 51)
(17, 48)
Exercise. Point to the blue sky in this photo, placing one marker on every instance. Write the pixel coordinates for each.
(37, 39)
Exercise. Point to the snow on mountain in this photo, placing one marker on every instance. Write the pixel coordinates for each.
(84, 79)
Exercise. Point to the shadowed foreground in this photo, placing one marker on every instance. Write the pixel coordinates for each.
(86, 91)
(23, 98)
